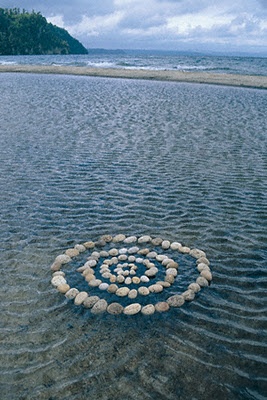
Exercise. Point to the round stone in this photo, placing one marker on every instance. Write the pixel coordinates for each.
(121, 292)
(143, 252)
(196, 253)
(195, 287)
(206, 274)
(133, 250)
(103, 286)
(89, 245)
(171, 271)
(106, 275)
(89, 277)
(162, 306)
(132, 294)
(144, 239)
(151, 272)
(139, 260)
(175, 246)
(130, 239)
(64, 288)
(128, 281)
(131, 259)
(165, 244)
(106, 238)
(143, 290)
(156, 288)
(132, 309)
(100, 243)
(90, 301)
(161, 257)
(79, 299)
(112, 288)
(202, 281)
(126, 273)
(71, 293)
(90, 263)
(144, 279)
(80, 247)
(202, 266)
(172, 264)
(119, 238)
(120, 279)
(124, 250)
(58, 273)
(72, 252)
(95, 282)
(87, 271)
(115, 308)
(184, 249)
(151, 254)
(169, 278)
(103, 253)
(122, 257)
(58, 280)
(203, 260)
(136, 280)
(95, 255)
(149, 309)
(188, 295)
(62, 259)
(113, 279)
(164, 284)
(99, 307)
(156, 241)
(113, 252)
(55, 266)
(176, 300)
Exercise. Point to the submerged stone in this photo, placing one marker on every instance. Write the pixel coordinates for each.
(132, 309)
(115, 308)
(99, 307)
(149, 309)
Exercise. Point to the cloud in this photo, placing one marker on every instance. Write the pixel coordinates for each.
(157, 23)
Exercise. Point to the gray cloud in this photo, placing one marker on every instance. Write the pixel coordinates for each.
(157, 23)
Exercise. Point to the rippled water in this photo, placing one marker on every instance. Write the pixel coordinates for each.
(82, 157)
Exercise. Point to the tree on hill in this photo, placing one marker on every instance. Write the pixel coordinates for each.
(24, 33)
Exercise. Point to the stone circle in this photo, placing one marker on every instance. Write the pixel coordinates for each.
(131, 267)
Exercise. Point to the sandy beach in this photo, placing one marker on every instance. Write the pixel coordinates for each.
(249, 81)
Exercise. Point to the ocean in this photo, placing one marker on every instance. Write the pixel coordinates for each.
(83, 157)
(155, 60)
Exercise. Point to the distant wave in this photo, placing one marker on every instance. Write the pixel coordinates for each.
(3, 62)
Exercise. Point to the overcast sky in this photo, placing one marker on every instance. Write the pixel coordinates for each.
(224, 25)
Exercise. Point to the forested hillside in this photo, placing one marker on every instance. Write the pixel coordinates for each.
(22, 32)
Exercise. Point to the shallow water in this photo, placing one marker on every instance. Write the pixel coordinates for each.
(82, 157)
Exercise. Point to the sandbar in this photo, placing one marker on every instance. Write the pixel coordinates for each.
(249, 81)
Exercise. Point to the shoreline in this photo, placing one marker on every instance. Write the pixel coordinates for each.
(247, 81)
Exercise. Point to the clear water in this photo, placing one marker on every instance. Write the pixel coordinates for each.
(82, 157)
(151, 60)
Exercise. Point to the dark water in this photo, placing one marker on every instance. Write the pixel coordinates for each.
(82, 157)
(152, 60)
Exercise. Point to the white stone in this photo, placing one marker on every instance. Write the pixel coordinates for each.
(132, 309)
(133, 250)
(72, 293)
(151, 254)
(201, 281)
(130, 239)
(128, 281)
(144, 279)
(103, 286)
(132, 294)
(176, 300)
(131, 259)
(151, 272)
(171, 271)
(161, 257)
(99, 307)
(202, 266)
(122, 257)
(80, 247)
(196, 253)
(195, 287)
(165, 244)
(90, 301)
(95, 282)
(143, 290)
(149, 309)
(62, 259)
(144, 239)
(58, 273)
(188, 295)
(121, 292)
(58, 280)
(123, 251)
(113, 252)
(79, 299)
(156, 288)
(175, 246)
(119, 238)
(103, 253)
(206, 274)
(139, 260)
(90, 263)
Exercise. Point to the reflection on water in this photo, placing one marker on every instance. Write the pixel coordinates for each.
(82, 157)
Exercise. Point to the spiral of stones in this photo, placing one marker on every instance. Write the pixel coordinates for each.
(119, 268)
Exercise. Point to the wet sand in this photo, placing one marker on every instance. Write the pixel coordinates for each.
(252, 81)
